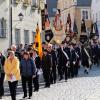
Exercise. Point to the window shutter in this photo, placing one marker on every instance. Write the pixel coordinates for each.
(3, 28)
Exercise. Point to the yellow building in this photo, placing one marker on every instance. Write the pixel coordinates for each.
(78, 9)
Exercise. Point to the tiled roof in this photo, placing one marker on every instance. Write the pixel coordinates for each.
(84, 3)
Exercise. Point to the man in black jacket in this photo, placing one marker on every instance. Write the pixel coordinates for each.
(37, 62)
(62, 62)
(78, 58)
(72, 57)
(46, 67)
(54, 63)
(2, 74)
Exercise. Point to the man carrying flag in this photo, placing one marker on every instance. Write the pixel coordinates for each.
(38, 43)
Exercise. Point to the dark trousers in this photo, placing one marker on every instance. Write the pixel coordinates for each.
(65, 69)
(46, 75)
(53, 75)
(60, 71)
(25, 81)
(36, 83)
(71, 71)
(12, 87)
(1, 84)
(76, 70)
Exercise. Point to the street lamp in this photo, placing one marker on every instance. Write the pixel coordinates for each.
(20, 16)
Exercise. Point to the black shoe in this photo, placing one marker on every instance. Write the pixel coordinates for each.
(85, 71)
(54, 82)
(60, 79)
(24, 96)
(0, 97)
(36, 90)
(30, 97)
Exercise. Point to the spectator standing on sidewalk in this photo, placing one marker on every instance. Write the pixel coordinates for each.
(28, 71)
(12, 72)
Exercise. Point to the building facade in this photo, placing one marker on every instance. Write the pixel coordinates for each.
(23, 31)
(78, 10)
(95, 12)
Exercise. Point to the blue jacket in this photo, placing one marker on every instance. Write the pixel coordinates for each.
(27, 67)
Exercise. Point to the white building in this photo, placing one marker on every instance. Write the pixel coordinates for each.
(95, 11)
(22, 31)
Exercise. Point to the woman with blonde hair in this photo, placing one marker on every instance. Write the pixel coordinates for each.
(12, 72)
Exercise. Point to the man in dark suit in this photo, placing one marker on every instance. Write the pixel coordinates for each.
(37, 62)
(62, 62)
(78, 58)
(72, 57)
(86, 58)
(54, 63)
(46, 67)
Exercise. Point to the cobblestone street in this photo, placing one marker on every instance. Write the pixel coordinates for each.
(85, 87)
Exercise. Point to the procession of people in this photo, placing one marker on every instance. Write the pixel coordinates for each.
(59, 61)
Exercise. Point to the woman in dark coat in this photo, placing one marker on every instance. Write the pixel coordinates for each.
(28, 71)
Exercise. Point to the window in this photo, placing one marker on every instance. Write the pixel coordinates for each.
(85, 14)
(3, 31)
(33, 35)
(17, 36)
(35, 3)
(26, 36)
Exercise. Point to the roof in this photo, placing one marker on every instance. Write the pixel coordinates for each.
(82, 3)
(52, 5)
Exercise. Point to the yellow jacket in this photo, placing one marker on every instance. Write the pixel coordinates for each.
(12, 68)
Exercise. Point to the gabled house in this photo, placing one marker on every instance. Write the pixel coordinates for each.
(78, 10)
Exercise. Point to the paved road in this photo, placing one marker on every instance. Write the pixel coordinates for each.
(85, 87)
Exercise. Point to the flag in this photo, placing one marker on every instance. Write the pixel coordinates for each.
(75, 29)
(96, 29)
(38, 43)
